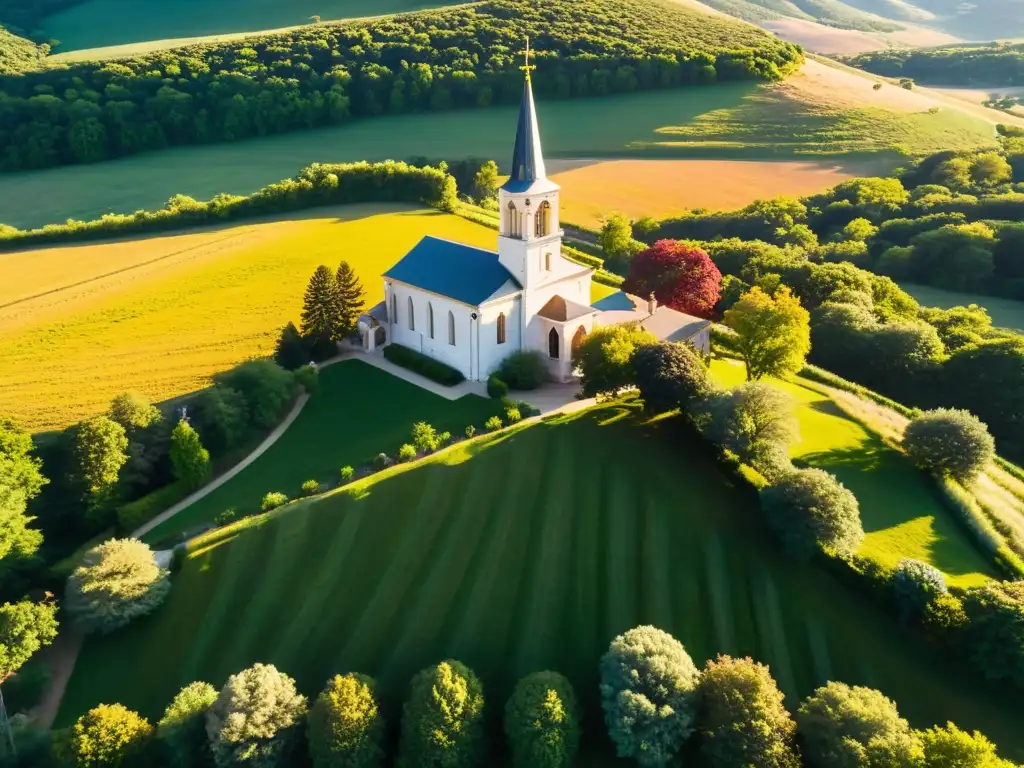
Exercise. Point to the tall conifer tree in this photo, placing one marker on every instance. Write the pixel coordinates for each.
(320, 316)
(350, 299)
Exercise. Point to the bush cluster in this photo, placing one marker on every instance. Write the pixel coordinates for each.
(419, 363)
(949, 442)
(496, 388)
(523, 370)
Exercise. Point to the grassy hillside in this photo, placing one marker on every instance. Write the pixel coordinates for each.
(830, 12)
(165, 313)
(18, 54)
(522, 552)
(97, 23)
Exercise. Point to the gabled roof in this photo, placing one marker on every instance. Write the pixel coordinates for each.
(562, 310)
(461, 272)
(527, 157)
(665, 323)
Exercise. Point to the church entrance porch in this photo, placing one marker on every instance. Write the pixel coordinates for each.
(564, 324)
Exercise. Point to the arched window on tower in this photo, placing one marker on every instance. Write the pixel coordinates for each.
(553, 345)
(501, 328)
(430, 319)
(412, 316)
(514, 228)
(451, 328)
(542, 221)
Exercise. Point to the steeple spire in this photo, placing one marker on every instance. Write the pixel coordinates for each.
(527, 157)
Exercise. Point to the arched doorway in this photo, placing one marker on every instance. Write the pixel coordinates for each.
(578, 339)
(554, 345)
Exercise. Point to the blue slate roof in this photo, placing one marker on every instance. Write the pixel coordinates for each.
(451, 269)
(527, 157)
(617, 301)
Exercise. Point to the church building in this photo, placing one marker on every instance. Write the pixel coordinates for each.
(470, 308)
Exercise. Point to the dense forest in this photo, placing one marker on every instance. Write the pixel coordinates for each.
(326, 74)
(988, 65)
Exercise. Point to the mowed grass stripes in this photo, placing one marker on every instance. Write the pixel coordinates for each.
(523, 551)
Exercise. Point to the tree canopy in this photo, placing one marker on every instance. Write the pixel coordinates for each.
(443, 723)
(542, 722)
(678, 274)
(774, 332)
(25, 627)
(345, 726)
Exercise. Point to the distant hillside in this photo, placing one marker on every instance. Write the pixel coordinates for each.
(18, 54)
(829, 12)
(325, 74)
(984, 66)
(976, 19)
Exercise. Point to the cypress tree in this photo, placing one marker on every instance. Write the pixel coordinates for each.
(350, 299)
(320, 316)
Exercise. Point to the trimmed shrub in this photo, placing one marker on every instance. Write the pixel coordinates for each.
(426, 438)
(308, 377)
(743, 719)
(227, 516)
(649, 695)
(109, 735)
(496, 388)
(273, 500)
(423, 365)
(382, 461)
(605, 358)
(407, 452)
(749, 418)
(512, 415)
(525, 409)
(995, 633)
(949, 442)
(292, 351)
(345, 728)
(310, 488)
(443, 722)
(265, 387)
(670, 375)
(256, 719)
(524, 369)
(347, 473)
(916, 584)
(809, 509)
(493, 424)
(470, 431)
(117, 582)
(542, 723)
(182, 730)
(854, 727)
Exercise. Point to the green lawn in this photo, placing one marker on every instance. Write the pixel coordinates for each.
(517, 553)
(99, 23)
(360, 411)
(1006, 313)
(901, 511)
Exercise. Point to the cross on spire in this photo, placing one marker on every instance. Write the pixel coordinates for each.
(527, 67)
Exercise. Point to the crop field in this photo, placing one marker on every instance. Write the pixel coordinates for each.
(821, 115)
(901, 513)
(359, 412)
(160, 315)
(100, 23)
(820, 38)
(1006, 313)
(518, 552)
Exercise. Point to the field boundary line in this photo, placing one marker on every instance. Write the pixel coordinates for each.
(262, 448)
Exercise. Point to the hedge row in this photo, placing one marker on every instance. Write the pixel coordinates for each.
(423, 365)
(820, 375)
(966, 509)
(317, 184)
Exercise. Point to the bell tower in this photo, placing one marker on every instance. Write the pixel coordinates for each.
(531, 238)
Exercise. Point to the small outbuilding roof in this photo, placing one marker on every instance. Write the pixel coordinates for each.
(562, 310)
(665, 323)
(461, 272)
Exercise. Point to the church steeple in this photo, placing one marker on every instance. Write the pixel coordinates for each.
(527, 156)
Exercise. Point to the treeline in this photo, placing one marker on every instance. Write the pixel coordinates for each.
(998, 64)
(658, 707)
(317, 184)
(327, 74)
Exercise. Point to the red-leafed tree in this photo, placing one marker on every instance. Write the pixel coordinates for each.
(680, 275)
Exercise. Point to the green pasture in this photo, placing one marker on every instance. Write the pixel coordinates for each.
(359, 412)
(902, 513)
(734, 121)
(517, 552)
(1006, 313)
(100, 23)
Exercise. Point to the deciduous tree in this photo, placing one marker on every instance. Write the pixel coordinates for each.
(949, 747)
(916, 584)
(345, 727)
(182, 730)
(443, 721)
(118, 581)
(190, 460)
(485, 182)
(995, 629)
(949, 442)
(679, 274)
(605, 357)
(743, 719)
(670, 375)
(292, 349)
(649, 695)
(25, 627)
(541, 722)
(256, 719)
(133, 411)
(19, 468)
(774, 332)
(265, 387)
(17, 540)
(100, 446)
(750, 419)
(110, 735)
(810, 508)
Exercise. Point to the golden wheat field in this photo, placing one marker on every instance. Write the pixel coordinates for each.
(161, 314)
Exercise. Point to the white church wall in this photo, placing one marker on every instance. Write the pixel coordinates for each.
(459, 355)
(491, 352)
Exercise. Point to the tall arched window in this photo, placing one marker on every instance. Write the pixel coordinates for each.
(553, 345)
(547, 262)
(542, 221)
(451, 328)
(430, 319)
(501, 328)
(578, 338)
(394, 307)
(514, 228)
(412, 316)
